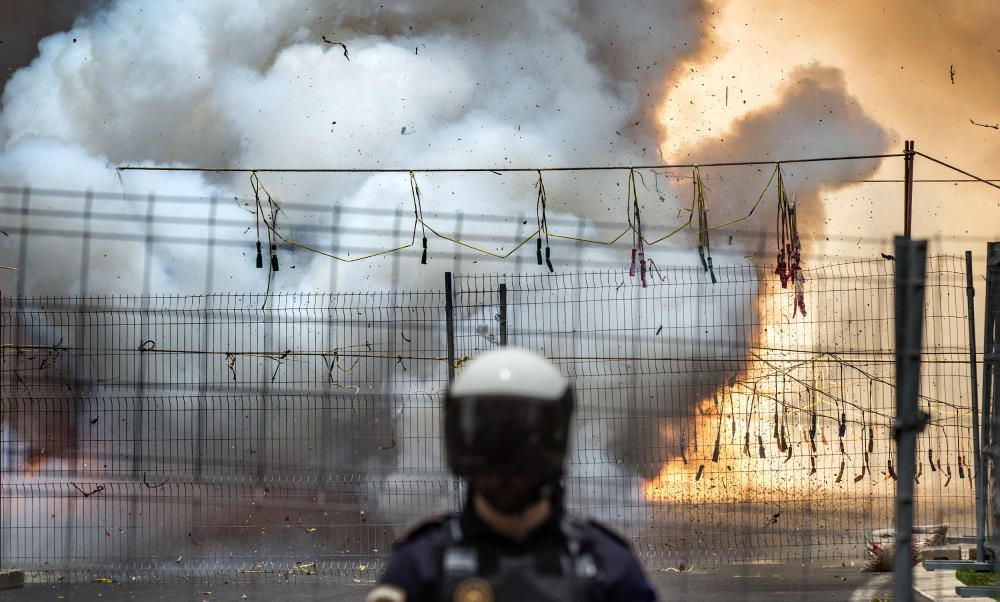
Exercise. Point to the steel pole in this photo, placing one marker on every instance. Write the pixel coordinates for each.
(974, 385)
(449, 308)
(907, 188)
(911, 256)
(503, 314)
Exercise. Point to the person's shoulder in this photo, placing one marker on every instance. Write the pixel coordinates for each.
(623, 572)
(604, 536)
(430, 530)
(414, 564)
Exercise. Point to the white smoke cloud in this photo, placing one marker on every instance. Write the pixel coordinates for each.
(440, 84)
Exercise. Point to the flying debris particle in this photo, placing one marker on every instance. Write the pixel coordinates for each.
(888, 257)
(995, 126)
(151, 485)
(99, 489)
(94, 420)
(306, 567)
(951, 73)
(658, 330)
(341, 44)
(701, 469)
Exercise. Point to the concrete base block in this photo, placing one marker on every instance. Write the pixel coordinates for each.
(941, 553)
(11, 579)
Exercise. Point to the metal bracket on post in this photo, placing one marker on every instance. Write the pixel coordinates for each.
(911, 256)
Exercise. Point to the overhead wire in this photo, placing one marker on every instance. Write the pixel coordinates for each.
(698, 207)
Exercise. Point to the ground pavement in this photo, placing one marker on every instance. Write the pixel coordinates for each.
(731, 583)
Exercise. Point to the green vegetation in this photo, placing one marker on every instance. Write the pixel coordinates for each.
(970, 577)
(985, 578)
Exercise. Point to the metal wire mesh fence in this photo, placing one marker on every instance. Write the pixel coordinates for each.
(294, 435)
(718, 422)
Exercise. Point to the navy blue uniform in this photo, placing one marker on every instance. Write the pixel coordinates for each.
(563, 559)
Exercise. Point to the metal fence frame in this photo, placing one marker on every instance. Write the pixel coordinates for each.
(302, 471)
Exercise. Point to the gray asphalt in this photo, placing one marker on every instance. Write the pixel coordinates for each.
(733, 583)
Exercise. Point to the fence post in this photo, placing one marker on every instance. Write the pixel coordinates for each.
(976, 446)
(911, 256)
(449, 317)
(908, 148)
(503, 314)
(5, 462)
(991, 387)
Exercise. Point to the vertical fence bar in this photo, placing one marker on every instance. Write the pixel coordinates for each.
(22, 244)
(991, 388)
(911, 256)
(974, 385)
(5, 463)
(449, 317)
(503, 314)
(986, 433)
(907, 188)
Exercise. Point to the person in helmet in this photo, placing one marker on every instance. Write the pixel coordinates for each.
(506, 430)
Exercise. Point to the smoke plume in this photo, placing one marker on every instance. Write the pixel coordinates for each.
(354, 84)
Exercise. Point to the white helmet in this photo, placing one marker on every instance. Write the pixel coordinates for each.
(508, 413)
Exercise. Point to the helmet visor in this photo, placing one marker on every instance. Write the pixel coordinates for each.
(499, 435)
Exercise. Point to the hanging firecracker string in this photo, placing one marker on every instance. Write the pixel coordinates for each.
(704, 249)
(635, 224)
(789, 268)
(947, 456)
(270, 225)
(960, 460)
(543, 224)
(683, 442)
(718, 434)
(798, 424)
(864, 464)
(784, 433)
(891, 469)
(418, 213)
(694, 435)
